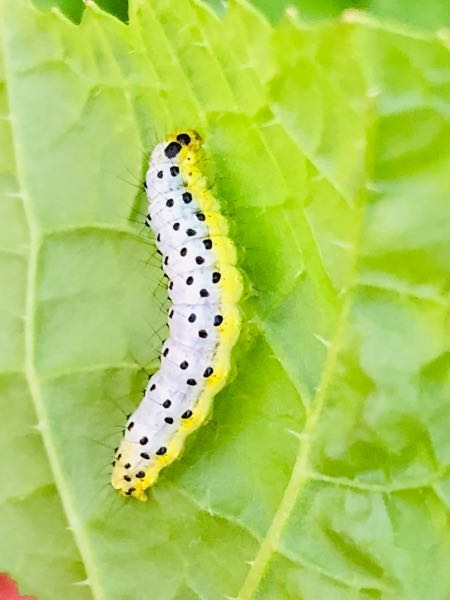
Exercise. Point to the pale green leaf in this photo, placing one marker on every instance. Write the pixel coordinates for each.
(323, 472)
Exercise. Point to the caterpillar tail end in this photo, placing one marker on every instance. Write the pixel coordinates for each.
(140, 495)
(137, 490)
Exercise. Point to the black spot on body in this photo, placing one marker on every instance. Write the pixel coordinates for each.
(216, 277)
(183, 251)
(167, 403)
(189, 280)
(202, 333)
(184, 365)
(191, 382)
(192, 318)
(200, 216)
(152, 387)
(140, 475)
(159, 174)
(176, 226)
(127, 465)
(218, 319)
(184, 139)
(145, 456)
(130, 426)
(204, 293)
(168, 420)
(166, 351)
(187, 197)
(169, 202)
(174, 171)
(208, 244)
(199, 260)
(187, 414)
(161, 451)
(190, 232)
(127, 478)
(172, 149)
(143, 440)
(208, 372)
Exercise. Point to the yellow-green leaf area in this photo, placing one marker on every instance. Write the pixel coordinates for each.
(323, 471)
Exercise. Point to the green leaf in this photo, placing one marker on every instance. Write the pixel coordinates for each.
(323, 472)
(432, 15)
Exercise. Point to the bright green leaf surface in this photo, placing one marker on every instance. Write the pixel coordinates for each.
(323, 472)
(433, 14)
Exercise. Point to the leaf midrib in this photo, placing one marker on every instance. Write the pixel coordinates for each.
(300, 473)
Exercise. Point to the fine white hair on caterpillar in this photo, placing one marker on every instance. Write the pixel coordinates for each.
(204, 288)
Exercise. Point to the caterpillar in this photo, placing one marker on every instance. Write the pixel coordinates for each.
(204, 287)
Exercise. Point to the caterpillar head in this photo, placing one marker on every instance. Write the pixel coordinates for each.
(176, 148)
(178, 152)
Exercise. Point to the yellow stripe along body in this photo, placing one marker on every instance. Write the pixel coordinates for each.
(184, 215)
